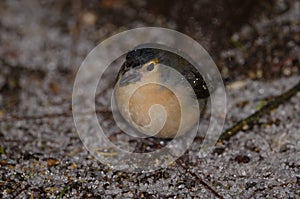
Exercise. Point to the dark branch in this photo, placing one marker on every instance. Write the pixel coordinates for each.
(254, 118)
(198, 179)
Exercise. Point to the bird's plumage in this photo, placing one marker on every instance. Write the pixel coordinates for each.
(146, 79)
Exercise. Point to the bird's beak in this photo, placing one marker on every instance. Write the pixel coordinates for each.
(130, 76)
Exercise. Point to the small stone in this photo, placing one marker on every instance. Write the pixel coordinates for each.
(89, 18)
(242, 159)
(250, 185)
(219, 150)
(52, 162)
(73, 166)
(2, 162)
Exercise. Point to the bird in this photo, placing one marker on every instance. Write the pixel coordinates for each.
(153, 98)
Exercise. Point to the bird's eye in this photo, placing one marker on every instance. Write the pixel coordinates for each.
(150, 67)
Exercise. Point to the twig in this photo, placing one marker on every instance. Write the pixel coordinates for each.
(62, 193)
(178, 161)
(76, 29)
(248, 122)
(46, 116)
(19, 67)
(21, 191)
